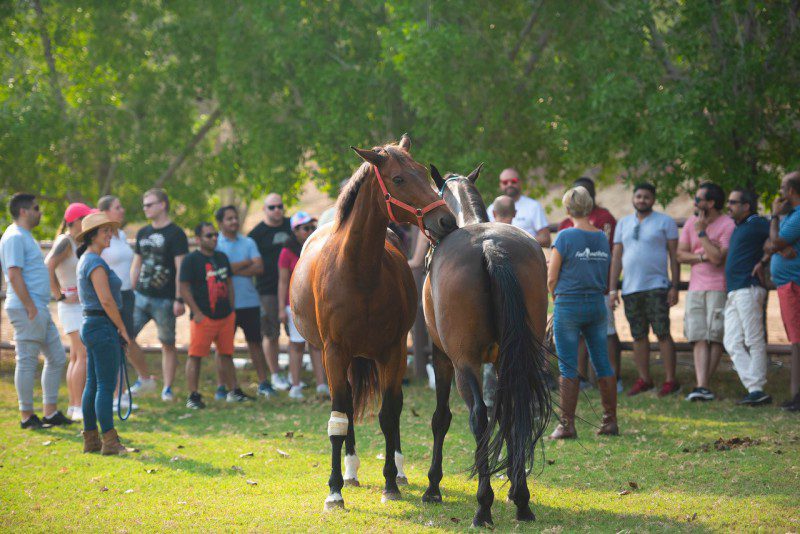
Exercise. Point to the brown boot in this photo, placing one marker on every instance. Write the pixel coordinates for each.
(569, 388)
(112, 445)
(608, 396)
(91, 441)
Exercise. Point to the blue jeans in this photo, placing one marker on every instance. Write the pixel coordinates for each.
(104, 353)
(576, 315)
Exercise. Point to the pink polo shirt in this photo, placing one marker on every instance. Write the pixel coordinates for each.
(705, 276)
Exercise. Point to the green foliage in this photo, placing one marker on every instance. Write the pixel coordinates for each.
(256, 96)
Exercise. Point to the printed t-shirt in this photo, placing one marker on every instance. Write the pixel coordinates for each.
(645, 258)
(18, 248)
(585, 257)
(86, 292)
(208, 281)
(270, 241)
(239, 249)
(288, 260)
(158, 249)
(705, 276)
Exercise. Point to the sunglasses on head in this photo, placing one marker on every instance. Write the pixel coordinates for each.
(211, 235)
(275, 207)
(509, 181)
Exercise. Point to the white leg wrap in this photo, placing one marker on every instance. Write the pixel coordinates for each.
(334, 497)
(399, 459)
(351, 465)
(337, 424)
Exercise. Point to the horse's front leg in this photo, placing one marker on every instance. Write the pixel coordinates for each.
(336, 364)
(392, 374)
(469, 387)
(440, 422)
(351, 461)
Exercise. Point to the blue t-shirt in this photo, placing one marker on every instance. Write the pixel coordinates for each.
(645, 258)
(86, 265)
(783, 270)
(18, 248)
(585, 257)
(744, 251)
(240, 249)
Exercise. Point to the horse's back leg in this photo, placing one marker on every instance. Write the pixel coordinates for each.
(392, 372)
(470, 389)
(440, 422)
(518, 491)
(351, 461)
(339, 424)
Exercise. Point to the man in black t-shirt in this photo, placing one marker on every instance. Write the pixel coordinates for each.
(270, 235)
(206, 284)
(160, 248)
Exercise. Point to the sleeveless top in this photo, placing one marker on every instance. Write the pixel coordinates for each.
(66, 271)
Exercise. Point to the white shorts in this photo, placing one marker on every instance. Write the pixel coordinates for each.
(611, 327)
(70, 316)
(294, 334)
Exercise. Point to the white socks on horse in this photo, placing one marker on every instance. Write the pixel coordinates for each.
(399, 460)
(351, 465)
(337, 424)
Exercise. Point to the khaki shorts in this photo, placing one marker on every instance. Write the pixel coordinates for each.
(704, 316)
(270, 325)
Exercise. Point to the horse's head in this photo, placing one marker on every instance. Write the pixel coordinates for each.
(407, 192)
(461, 195)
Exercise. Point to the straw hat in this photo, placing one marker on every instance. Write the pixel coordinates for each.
(94, 220)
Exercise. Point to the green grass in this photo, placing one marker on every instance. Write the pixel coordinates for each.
(189, 474)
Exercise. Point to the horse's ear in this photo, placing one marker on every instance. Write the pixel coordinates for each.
(370, 156)
(473, 176)
(437, 178)
(405, 142)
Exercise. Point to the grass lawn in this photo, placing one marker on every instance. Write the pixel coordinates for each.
(191, 472)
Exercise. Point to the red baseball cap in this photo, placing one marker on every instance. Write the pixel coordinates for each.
(76, 211)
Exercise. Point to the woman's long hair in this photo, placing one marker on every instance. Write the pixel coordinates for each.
(293, 244)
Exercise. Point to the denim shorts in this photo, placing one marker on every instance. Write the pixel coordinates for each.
(160, 311)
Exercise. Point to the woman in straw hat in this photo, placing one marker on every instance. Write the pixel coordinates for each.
(102, 332)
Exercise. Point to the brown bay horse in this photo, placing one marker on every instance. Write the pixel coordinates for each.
(353, 295)
(485, 301)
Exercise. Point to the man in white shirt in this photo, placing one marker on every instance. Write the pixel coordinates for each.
(530, 214)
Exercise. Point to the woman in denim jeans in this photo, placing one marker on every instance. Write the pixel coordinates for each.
(578, 279)
(102, 328)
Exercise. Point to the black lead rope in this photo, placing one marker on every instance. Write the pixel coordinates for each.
(123, 379)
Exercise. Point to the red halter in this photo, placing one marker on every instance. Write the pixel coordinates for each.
(419, 213)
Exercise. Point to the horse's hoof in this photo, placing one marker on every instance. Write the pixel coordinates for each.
(334, 501)
(432, 496)
(352, 482)
(390, 496)
(482, 520)
(402, 481)
(525, 514)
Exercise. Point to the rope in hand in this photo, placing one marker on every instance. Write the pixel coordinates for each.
(123, 379)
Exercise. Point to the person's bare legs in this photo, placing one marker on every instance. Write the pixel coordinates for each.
(641, 357)
(220, 371)
(137, 359)
(193, 373)
(271, 349)
(169, 363)
(227, 371)
(295, 361)
(76, 369)
(716, 356)
(702, 361)
(667, 348)
(794, 387)
(259, 360)
(316, 363)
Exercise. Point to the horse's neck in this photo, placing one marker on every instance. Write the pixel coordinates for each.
(365, 233)
(469, 213)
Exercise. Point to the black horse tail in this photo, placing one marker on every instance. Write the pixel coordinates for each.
(522, 406)
(366, 385)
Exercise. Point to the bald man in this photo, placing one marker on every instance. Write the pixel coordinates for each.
(270, 235)
(504, 210)
(529, 213)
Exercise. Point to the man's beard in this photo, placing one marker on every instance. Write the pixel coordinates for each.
(643, 210)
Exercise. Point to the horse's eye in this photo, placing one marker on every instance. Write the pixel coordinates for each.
(397, 180)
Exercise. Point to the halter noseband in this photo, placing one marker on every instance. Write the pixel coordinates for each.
(418, 213)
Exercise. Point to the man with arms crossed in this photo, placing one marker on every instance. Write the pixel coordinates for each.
(27, 303)
(160, 248)
(645, 242)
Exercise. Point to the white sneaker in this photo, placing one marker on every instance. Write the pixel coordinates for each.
(296, 393)
(323, 391)
(280, 383)
(143, 385)
(77, 413)
(69, 411)
(125, 403)
(166, 395)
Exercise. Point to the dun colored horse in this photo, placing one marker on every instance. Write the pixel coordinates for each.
(485, 300)
(353, 295)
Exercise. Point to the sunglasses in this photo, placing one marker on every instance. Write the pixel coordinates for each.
(307, 227)
(35, 207)
(734, 202)
(275, 207)
(636, 232)
(212, 235)
(149, 204)
(698, 200)
(509, 181)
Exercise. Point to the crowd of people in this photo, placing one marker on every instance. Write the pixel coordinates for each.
(107, 292)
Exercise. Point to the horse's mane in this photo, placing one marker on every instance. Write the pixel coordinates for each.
(474, 198)
(347, 198)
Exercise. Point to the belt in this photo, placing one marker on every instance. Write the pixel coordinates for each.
(95, 313)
